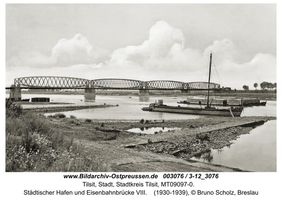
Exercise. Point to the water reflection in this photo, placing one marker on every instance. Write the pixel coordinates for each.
(151, 130)
(144, 98)
(255, 151)
(268, 110)
(206, 156)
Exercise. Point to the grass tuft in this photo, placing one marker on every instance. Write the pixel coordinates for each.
(33, 145)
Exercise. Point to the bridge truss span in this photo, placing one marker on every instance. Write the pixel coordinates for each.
(57, 82)
(202, 85)
(114, 83)
(51, 82)
(164, 85)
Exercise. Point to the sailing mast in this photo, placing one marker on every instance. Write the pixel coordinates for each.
(208, 100)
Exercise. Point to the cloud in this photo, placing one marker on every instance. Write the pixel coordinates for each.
(31, 59)
(163, 55)
(76, 50)
(67, 52)
(262, 67)
(164, 49)
(224, 50)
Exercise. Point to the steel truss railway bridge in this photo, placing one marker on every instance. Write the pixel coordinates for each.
(57, 82)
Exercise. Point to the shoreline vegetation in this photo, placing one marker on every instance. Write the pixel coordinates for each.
(55, 143)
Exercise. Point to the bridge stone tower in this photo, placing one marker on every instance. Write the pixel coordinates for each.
(15, 93)
(144, 95)
(89, 93)
(144, 92)
(185, 88)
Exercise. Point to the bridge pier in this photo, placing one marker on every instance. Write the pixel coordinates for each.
(185, 91)
(144, 95)
(15, 93)
(89, 94)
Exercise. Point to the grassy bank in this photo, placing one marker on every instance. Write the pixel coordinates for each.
(32, 144)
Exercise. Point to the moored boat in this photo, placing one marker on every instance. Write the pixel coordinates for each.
(234, 111)
(227, 112)
(220, 102)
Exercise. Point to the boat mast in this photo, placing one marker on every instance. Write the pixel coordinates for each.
(208, 100)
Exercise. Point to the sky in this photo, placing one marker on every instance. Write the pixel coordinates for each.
(143, 41)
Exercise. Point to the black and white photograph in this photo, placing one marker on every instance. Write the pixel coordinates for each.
(140, 100)
(140, 87)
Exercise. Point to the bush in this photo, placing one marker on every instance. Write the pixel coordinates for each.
(29, 145)
(74, 159)
(32, 145)
(16, 127)
(13, 109)
(74, 121)
(26, 123)
(37, 123)
(59, 115)
(34, 153)
(142, 121)
(88, 120)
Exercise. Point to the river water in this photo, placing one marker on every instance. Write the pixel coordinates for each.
(130, 107)
(255, 151)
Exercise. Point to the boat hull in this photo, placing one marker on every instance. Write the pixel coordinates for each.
(263, 103)
(195, 111)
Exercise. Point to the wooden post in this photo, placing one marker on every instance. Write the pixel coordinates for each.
(209, 80)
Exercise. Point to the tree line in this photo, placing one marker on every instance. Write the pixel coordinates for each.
(264, 86)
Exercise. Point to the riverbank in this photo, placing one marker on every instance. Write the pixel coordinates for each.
(261, 94)
(50, 109)
(195, 137)
(57, 143)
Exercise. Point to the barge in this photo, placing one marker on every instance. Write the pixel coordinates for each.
(220, 102)
(206, 110)
(225, 112)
